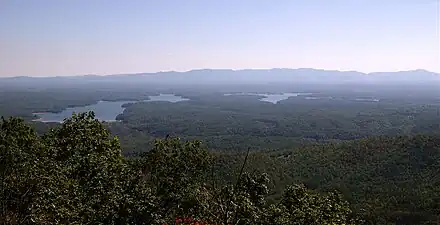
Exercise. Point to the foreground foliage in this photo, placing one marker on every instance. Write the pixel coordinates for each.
(387, 180)
(75, 174)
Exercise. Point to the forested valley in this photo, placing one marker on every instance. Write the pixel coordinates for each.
(335, 155)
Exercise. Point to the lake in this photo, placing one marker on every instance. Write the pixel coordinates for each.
(275, 98)
(166, 98)
(367, 100)
(104, 110)
(272, 98)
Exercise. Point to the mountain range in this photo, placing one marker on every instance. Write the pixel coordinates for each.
(245, 76)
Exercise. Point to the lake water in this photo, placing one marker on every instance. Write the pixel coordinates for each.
(318, 98)
(272, 98)
(367, 100)
(275, 98)
(104, 110)
(166, 98)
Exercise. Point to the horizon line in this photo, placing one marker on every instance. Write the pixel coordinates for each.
(218, 69)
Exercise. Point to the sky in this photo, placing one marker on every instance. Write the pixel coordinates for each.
(79, 37)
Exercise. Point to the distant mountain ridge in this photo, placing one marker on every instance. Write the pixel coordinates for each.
(245, 76)
(420, 71)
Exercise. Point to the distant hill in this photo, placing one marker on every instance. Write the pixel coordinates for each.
(247, 76)
(393, 179)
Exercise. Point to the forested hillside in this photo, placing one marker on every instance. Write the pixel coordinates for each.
(387, 179)
(378, 148)
(75, 174)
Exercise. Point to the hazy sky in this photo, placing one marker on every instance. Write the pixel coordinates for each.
(69, 37)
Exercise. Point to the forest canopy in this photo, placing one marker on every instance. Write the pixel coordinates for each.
(163, 161)
(76, 174)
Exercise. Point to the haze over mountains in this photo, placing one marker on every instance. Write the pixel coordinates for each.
(246, 76)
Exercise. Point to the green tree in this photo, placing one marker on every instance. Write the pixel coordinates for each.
(20, 164)
(176, 171)
(87, 179)
(243, 203)
(300, 205)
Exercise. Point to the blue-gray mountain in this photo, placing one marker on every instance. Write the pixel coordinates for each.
(247, 76)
